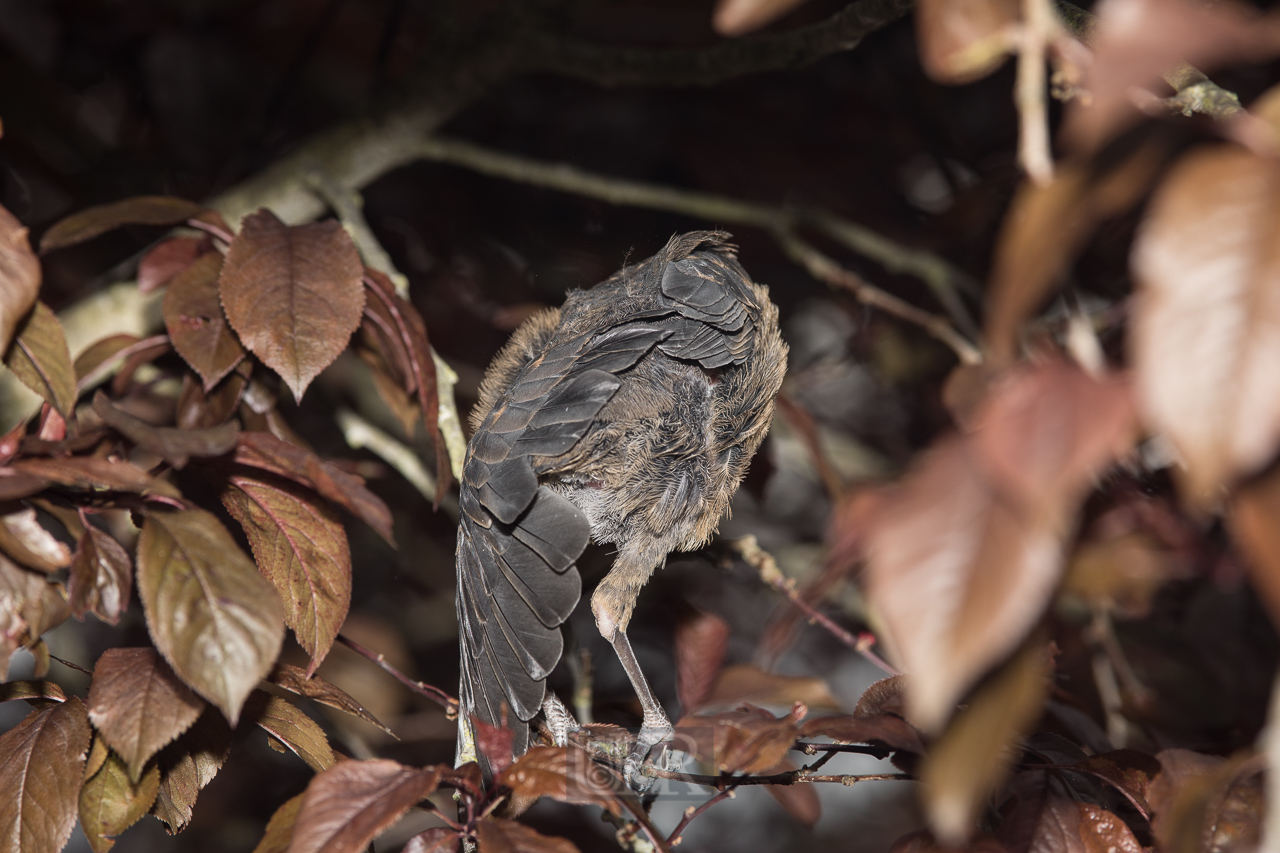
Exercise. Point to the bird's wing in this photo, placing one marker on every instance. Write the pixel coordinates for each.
(518, 540)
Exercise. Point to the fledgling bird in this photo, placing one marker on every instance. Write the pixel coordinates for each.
(627, 416)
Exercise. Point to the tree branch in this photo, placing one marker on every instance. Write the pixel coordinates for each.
(725, 60)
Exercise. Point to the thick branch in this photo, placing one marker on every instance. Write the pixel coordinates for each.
(725, 60)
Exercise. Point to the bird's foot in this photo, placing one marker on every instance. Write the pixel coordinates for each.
(652, 733)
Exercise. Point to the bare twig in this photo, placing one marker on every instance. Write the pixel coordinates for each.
(435, 694)
(782, 223)
(811, 748)
(790, 777)
(1038, 29)
(763, 562)
(691, 814)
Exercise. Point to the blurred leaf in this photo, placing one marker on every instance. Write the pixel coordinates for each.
(101, 577)
(196, 410)
(90, 473)
(1048, 224)
(701, 641)
(442, 839)
(799, 801)
(922, 842)
(279, 831)
(111, 802)
(1045, 819)
(41, 766)
(139, 210)
(138, 705)
(32, 605)
(1252, 517)
(746, 683)
(216, 620)
(177, 446)
(347, 806)
(562, 773)
(749, 739)
(31, 691)
(198, 328)
(1205, 802)
(1122, 573)
(40, 359)
(24, 539)
(973, 755)
(288, 724)
(1136, 42)
(19, 276)
(964, 40)
(99, 353)
(123, 380)
(265, 451)
(294, 295)
(301, 547)
(507, 836)
(295, 680)
(739, 17)
(1046, 431)
(167, 260)
(893, 732)
(187, 766)
(1206, 328)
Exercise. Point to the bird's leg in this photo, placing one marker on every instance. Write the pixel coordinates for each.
(612, 604)
(560, 721)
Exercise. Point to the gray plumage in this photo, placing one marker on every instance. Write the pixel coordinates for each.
(627, 416)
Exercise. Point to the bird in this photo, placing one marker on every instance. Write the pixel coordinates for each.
(627, 416)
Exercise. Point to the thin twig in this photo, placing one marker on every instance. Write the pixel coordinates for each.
(763, 562)
(435, 694)
(809, 748)
(782, 223)
(691, 814)
(637, 811)
(790, 777)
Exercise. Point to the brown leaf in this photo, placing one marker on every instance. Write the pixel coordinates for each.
(1046, 227)
(285, 722)
(101, 577)
(295, 680)
(746, 683)
(138, 705)
(1044, 819)
(24, 539)
(1204, 802)
(196, 410)
(177, 446)
(562, 773)
(167, 260)
(265, 451)
(301, 547)
(40, 359)
(138, 356)
(701, 641)
(111, 801)
(1046, 431)
(139, 210)
(19, 276)
(187, 766)
(893, 732)
(100, 353)
(972, 757)
(1121, 573)
(198, 328)
(1138, 41)
(294, 295)
(279, 831)
(41, 766)
(215, 619)
(494, 743)
(1127, 770)
(739, 17)
(957, 576)
(507, 836)
(391, 390)
(749, 739)
(442, 839)
(964, 40)
(405, 332)
(32, 606)
(347, 806)
(1206, 328)
(92, 473)
(31, 691)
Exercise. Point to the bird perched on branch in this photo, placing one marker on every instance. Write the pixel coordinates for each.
(627, 416)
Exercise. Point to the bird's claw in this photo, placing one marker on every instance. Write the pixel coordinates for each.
(651, 734)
